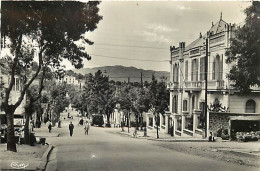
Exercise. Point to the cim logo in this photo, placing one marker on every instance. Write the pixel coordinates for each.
(17, 165)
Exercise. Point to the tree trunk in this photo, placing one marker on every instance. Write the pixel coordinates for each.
(136, 122)
(11, 146)
(128, 120)
(157, 124)
(141, 121)
(26, 130)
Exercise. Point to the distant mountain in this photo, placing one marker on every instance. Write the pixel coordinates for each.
(122, 73)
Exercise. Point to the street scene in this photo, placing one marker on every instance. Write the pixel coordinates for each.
(135, 85)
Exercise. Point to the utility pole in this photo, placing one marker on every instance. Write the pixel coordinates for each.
(206, 87)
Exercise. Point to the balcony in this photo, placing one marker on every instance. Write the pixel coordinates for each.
(216, 84)
(255, 88)
(193, 85)
(172, 85)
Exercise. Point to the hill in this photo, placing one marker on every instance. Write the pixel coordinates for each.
(122, 73)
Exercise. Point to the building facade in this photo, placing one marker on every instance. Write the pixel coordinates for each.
(187, 86)
(71, 80)
(13, 98)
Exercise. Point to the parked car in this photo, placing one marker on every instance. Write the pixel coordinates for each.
(97, 119)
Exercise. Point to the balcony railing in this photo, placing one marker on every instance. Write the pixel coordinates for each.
(255, 88)
(216, 84)
(193, 85)
(172, 85)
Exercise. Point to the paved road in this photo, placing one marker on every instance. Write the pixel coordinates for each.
(104, 150)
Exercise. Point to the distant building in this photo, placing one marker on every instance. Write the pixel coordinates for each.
(14, 95)
(187, 89)
(71, 80)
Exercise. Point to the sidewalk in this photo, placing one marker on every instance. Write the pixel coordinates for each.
(238, 148)
(44, 132)
(162, 136)
(28, 157)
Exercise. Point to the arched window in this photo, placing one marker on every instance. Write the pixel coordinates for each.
(250, 106)
(194, 70)
(175, 73)
(185, 105)
(175, 104)
(213, 69)
(217, 68)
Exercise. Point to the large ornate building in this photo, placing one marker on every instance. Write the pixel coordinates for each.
(187, 88)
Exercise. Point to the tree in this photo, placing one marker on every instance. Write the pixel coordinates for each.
(245, 51)
(78, 101)
(159, 99)
(126, 99)
(32, 106)
(58, 100)
(143, 102)
(48, 30)
(100, 94)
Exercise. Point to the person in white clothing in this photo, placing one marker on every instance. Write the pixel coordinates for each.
(87, 126)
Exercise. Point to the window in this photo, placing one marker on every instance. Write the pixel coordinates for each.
(150, 121)
(194, 68)
(185, 105)
(202, 68)
(175, 104)
(250, 106)
(213, 69)
(175, 73)
(186, 70)
(217, 68)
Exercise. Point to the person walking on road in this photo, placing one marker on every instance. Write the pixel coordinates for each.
(71, 127)
(87, 126)
(49, 127)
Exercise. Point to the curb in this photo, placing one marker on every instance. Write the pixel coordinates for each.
(178, 140)
(241, 153)
(44, 161)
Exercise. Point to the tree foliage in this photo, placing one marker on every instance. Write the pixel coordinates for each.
(245, 51)
(99, 93)
(57, 99)
(47, 31)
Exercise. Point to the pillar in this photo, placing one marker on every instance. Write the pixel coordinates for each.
(195, 122)
(174, 125)
(166, 123)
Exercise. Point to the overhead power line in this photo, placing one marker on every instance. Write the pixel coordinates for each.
(130, 59)
(130, 46)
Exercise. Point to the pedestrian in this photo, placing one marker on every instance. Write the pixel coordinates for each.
(59, 123)
(211, 137)
(87, 126)
(31, 126)
(49, 127)
(71, 127)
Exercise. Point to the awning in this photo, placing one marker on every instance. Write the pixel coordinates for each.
(245, 118)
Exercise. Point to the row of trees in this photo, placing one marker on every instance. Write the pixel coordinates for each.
(100, 95)
(35, 31)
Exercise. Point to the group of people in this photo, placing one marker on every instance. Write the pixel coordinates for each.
(86, 127)
(71, 127)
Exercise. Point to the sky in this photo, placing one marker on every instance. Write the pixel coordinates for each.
(143, 31)
(140, 33)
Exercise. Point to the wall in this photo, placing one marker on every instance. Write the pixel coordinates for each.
(238, 103)
(221, 120)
